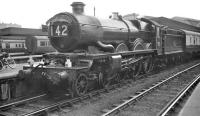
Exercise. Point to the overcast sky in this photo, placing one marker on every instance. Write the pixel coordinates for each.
(33, 13)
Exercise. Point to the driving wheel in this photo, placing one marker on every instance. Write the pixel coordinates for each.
(80, 85)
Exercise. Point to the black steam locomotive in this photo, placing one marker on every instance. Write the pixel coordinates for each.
(96, 52)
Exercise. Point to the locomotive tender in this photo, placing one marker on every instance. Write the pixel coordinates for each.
(96, 52)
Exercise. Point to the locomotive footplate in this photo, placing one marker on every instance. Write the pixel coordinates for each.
(101, 55)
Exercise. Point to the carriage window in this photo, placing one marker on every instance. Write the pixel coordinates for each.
(143, 25)
(42, 43)
(7, 45)
(196, 40)
(199, 40)
(0, 45)
(16, 45)
(19, 45)
(22, 45)
(49, 44)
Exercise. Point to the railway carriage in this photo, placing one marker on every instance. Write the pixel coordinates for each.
(192, 42)
(14, 45)
(23, 41)
(38, 45)
(23, 45)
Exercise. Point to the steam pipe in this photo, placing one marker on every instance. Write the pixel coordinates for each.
(105, 47)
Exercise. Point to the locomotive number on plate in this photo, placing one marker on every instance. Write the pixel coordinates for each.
(60, 29)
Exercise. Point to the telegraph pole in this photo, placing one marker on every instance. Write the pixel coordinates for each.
(94, 10)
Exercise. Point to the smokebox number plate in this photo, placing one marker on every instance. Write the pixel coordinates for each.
(59, 29)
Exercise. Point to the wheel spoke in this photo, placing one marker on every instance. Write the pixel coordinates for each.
(80, 86)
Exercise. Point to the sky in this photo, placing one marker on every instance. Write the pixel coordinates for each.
(34, 13)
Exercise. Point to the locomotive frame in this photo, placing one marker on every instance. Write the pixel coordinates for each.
(93, 69)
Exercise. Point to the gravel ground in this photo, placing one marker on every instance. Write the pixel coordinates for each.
(94, 106)
(152, 103)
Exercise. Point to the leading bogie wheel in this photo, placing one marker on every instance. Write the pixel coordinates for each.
(80, 85)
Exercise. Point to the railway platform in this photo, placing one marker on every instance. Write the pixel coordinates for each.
(192, 105)
(9, 73)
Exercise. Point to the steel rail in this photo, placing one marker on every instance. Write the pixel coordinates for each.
(171, 105)
(136, 97)
(68, 102)
(21, 101)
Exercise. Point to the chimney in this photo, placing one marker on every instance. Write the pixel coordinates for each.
(115, 16)
(78, 8)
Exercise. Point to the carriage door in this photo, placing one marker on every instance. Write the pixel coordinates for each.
(158, 40)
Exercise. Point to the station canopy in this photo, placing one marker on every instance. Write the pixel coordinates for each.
(175, 24)
(22, 32)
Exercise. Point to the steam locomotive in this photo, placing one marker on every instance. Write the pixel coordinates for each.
(94, 53)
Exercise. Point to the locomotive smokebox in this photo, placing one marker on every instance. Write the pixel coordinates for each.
(78, 8)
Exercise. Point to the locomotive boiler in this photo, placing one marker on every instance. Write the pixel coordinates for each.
(76, 31)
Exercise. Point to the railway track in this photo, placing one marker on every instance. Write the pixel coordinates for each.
(174, 105)
(159, 99)
(42, 105)
(39, 105)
